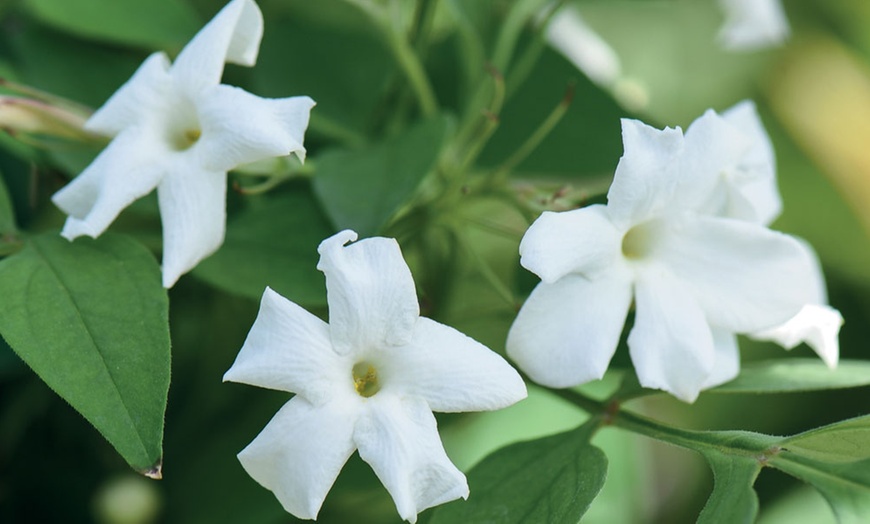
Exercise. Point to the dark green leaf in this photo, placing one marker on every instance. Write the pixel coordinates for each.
(91, 318)
(845, 441)
(846, 487)
(797, 374)
(273, 242)
(550, 480)
(7, 212)
(733, 500)
(152, 24)
(361, 190)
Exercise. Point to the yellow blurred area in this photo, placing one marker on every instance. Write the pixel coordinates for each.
(821, 94)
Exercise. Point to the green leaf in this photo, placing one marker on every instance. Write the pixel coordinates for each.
(845, 441)
(797, 374)
(91, 318)
(7, 213)
(154, 24)
(361, 190)
(273, 242)
(733, 500)
(846, 487)
(550, 480)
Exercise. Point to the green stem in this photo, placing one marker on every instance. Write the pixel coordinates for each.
(414, 72)
(526, 62)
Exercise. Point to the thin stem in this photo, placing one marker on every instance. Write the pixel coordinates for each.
(523, 66)
(536, 137)
(416, 75)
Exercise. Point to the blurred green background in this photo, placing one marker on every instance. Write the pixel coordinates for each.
(814, 97)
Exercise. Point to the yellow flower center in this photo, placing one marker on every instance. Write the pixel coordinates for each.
(365, 379)
(185, 139)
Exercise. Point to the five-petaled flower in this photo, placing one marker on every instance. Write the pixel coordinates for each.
(664, 240)
(368, 380)
(176, 128)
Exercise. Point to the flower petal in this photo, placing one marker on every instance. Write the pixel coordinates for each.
(569, 34)
(752, 24)
(142, 96)
(744, 276)
(193, 211)
(233, 35)
(567, 331)
(122, 173)
(238, 127)
(299, 454)
(645, 178)
(727, 353)
(399, 438)
(371, 294)
(671, 345)
(754, 195)
(817, 325)
(451, 371)
(288, 349)
(579, 241)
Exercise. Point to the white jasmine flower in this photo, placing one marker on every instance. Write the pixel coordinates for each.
(752, 24)
(176, 128)
(696, 279)
(368, 381)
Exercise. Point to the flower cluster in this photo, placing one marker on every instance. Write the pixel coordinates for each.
(683, 236)
(177, 129)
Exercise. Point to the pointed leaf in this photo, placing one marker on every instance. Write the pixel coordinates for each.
(361, 190)
(733, 499)
(552, 480)
(846, 487)
(272, 242)
(91, 319)
(845, 441)
(796, 374)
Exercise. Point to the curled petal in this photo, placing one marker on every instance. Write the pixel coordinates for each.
(370, 291)
(233, 35)
(289, 349)
(567, 331)
(726, 367)
(644, 183)
(451, 371)
(122, 173)
(399, 439)
(752, 182)
(145, 94)
(671, 345)
(299, 454)
(579, 241)
(817, 325)
(238, 127)
(744, 276)
(193, 211)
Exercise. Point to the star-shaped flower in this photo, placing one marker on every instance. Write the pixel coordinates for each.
(176, 128)
(368, 381)
(696, 278)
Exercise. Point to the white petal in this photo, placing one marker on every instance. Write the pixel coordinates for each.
(238, 127)
(233, 35)
(579, 241)
(193, 211)
(752, 181)
(451, 371)
(137, 100)
(727, 364)
(583, 47)
(299, 454)
(125, 171)
(647, 174)
(289, 349)
(713, 147)
(566, 332)
(370, 291)
(752, 24)
(817, 325)
(745, 276)
(671, 345)
(399, 438)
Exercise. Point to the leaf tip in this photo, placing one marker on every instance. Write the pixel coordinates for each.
(154, 472)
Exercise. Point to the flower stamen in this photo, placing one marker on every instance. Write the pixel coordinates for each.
(365, 379)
